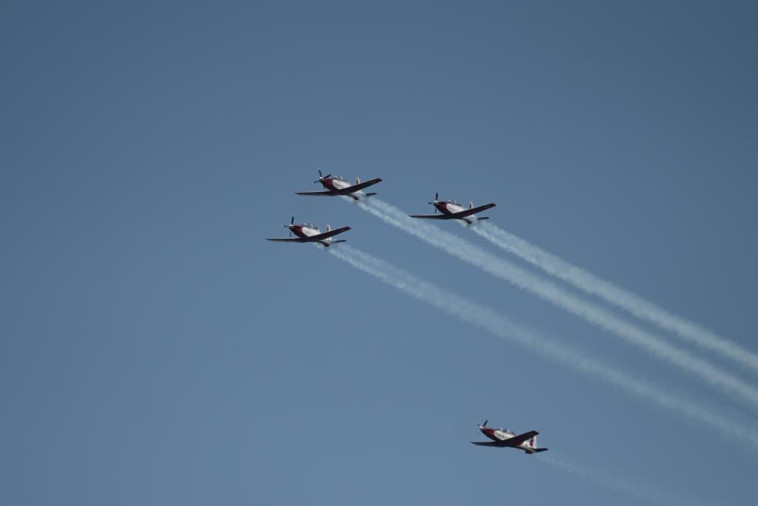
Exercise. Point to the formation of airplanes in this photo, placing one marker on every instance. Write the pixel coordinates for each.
(336, 186)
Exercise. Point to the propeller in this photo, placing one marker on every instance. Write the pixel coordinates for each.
(436, 199)
(292, 222)
(484, 424)
(321, 177)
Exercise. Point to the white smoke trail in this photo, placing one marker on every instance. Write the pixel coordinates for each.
(504, 328)
(625, 485)
(615, 295)
(576, 305)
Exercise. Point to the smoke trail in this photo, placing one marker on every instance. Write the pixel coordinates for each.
(615, 295)
(504, 328)
(592, 313)
(638, 490)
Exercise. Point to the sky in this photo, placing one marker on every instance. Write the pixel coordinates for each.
(155, 349)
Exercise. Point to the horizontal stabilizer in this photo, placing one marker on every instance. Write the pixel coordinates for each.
(327, 244)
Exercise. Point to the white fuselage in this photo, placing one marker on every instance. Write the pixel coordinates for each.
(453, 207)
(309, 231)
(501, 435)
(338, 183)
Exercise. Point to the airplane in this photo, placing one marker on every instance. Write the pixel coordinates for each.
(503, 438)
(452, 210)
(337, 186)
(309, 233)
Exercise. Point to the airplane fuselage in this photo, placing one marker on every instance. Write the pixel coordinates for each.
(449, 207)
(333, 183)
(305, 231)
(337, 184)
(528, 446)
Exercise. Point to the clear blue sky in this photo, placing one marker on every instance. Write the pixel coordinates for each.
(155, 349)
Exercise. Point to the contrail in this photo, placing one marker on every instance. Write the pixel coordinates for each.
(574, 304)
(615, 295)
(638, 490)
(502, 327)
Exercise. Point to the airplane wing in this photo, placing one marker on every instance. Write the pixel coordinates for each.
(469, 212)
(433, 216)
(327, 193)
(511, 442)
(325, 235)
(292, 239)
(517, 440)
(359, 186)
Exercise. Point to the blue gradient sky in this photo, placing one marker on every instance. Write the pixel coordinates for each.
(156, 350)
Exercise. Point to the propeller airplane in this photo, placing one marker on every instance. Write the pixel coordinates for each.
(503, 438)
(309, 233)
(451, 210)
(336, 186)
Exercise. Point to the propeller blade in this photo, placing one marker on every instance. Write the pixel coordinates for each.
(484, 424)
(321, 177)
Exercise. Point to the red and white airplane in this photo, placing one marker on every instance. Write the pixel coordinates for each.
(337, 186)
(452, 210)
(503, 438)
(309, 233)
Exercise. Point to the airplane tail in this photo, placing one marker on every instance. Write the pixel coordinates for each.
(533, 444)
